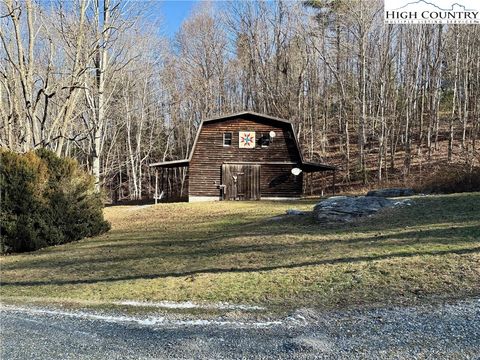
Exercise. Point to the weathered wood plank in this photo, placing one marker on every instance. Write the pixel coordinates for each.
(274, 177)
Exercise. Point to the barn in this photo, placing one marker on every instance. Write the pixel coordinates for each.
(242, 156)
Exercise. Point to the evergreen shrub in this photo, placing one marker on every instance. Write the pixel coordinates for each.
(46, 200)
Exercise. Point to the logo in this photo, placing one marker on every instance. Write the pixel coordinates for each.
(432, 12)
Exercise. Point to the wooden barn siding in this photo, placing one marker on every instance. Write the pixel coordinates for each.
(278, 181)
(210, 154)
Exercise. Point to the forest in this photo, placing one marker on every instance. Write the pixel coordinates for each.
(96, 80)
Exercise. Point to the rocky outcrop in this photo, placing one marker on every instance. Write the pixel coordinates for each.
(295, 212)
(348, 208)
(394, 192)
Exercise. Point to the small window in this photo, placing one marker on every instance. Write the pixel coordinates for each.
(265, 140)
(227, 139)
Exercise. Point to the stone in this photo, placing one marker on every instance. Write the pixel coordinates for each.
(393, 192)
(348, 208)
(295, 212)
(404, 202)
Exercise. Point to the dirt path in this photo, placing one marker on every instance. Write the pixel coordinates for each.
(450, 331)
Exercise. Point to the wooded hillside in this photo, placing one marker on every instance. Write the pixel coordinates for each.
(96, 80)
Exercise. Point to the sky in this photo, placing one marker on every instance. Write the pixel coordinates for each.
(170, 13)
(173, 13)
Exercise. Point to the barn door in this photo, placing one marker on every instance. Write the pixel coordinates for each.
(250, 182)
(242, 181)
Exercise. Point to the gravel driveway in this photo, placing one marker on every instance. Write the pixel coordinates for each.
(449, 331)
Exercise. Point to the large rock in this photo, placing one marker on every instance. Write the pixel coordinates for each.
(347, 208)
(295, 212)
(394, 192)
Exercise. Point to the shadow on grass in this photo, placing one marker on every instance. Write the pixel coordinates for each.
(450, 218)
(403, 254)
(208, 247)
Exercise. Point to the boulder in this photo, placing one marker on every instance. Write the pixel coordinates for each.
(295, 212)
(394, 192)
(348, 208)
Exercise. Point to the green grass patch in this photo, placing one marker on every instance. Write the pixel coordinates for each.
(235, 252)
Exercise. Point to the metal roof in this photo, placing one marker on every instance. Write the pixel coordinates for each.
(308, 166)
(228, 116)
(171, 164)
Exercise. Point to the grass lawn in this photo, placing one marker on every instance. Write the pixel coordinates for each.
(235, 252)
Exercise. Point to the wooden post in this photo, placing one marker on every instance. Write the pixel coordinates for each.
(156, 186)
(311, 183)
(163, 180)
(168, 183)
(334, 182)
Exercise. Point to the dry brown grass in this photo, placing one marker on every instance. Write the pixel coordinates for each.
(233, 251)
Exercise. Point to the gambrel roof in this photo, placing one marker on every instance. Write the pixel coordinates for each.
(304, 165)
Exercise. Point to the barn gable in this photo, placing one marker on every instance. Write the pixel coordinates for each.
(244, 156)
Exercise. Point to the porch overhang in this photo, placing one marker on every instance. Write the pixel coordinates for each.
(171, 164)
(310, 167)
